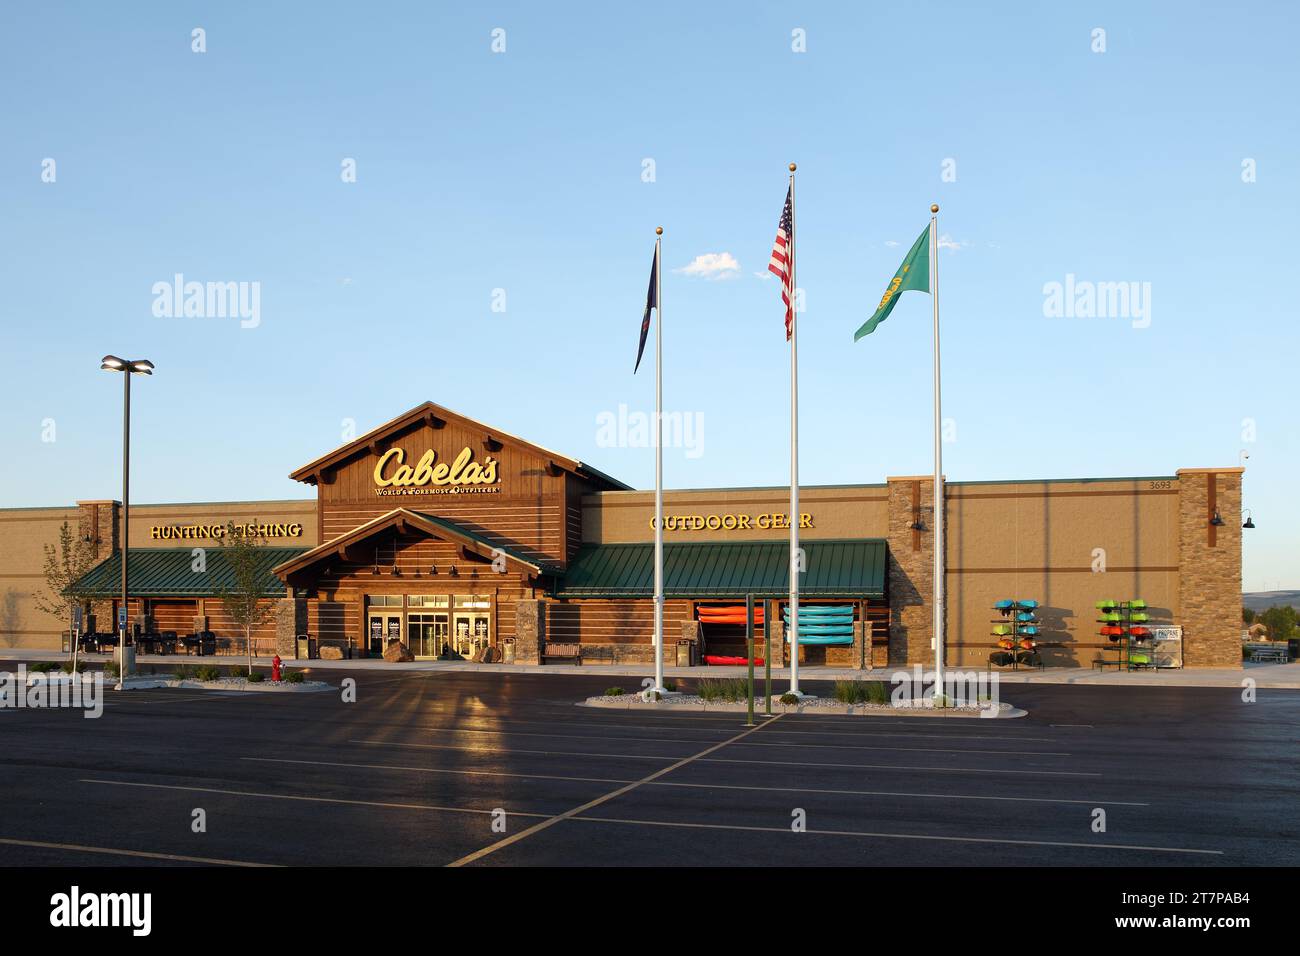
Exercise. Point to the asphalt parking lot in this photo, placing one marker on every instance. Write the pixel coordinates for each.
(419, 768)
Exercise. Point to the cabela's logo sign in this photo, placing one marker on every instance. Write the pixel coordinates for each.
(463, 476)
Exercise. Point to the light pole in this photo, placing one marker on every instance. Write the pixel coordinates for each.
(128, 368)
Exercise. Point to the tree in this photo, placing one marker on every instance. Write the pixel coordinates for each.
(65, 564)
(1247, 616)
(245, 598)
(1280, 621)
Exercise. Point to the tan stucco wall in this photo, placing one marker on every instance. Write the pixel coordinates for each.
(300, 513)
(852, 511)
(25, 531)
(1065, 544)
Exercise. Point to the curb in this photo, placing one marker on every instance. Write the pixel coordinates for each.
(1005, 711)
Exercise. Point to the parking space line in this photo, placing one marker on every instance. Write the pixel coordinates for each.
(441, 770)
(590, 804)
(891, 766)
(515, 750)
(288, 796)
(669, 740)
(701, 786)
(139, 854)
(899, 836)
(919, 750)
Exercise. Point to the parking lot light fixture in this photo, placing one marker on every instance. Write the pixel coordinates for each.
(128, 367)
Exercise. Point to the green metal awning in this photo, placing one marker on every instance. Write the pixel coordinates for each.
(169, 572)
(850, 568)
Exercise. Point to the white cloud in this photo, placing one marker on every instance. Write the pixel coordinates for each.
(763, 275)
(712, 265)
(948, 242)
(891, 242)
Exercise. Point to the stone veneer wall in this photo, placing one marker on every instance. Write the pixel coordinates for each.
(911, 570)
(530, 631)
(290, 615)
(1209, 566)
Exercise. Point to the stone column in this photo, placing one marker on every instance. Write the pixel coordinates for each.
(530, 631)
(290, 620)
(911, 570)
(1209, 566)
(690, 632)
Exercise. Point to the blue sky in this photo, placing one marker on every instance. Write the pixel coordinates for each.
(522, 171)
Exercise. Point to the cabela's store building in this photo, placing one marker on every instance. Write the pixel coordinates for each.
(450, 535)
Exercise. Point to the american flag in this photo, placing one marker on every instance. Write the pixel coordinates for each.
(779, 265)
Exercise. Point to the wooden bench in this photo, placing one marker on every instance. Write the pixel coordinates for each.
(562, 652)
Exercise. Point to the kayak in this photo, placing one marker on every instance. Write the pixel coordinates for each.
(732, 617)
(718, 660)
(835, 629)
(820, 639)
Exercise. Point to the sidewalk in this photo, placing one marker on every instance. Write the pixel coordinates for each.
(1264, 675)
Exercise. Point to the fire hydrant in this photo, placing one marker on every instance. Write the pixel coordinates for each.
(275, 668)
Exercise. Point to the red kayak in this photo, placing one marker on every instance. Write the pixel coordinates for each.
(718, 660)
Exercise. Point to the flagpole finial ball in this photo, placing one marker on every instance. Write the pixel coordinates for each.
(659, 230)
(934, 207)
(792, 167)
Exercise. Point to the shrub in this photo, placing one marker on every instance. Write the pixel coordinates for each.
(182, 672)
(877, 693)
(207, 673)
(256, 677)
(110, 669)
(789, 699)
(849, 691)
(670, 685)
(294, 677)
(66, 667)
(42, 667)
(613, 692)
(723, 688)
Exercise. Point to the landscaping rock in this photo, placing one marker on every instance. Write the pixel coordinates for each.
(397, 652)
(329, 652)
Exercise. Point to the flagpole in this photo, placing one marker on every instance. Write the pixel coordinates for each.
(939, 508)
(659, 469)
(794, 451)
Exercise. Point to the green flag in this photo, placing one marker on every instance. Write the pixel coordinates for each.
(914, 273)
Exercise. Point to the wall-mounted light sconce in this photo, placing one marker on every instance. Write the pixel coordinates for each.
(454, 572)
(917, 525)
(1217, 520)
(433, 569)
(1249, 522)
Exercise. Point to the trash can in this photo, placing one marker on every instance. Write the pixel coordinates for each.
(685, 653)
(508, 650)
(128, 660)
(307, 647)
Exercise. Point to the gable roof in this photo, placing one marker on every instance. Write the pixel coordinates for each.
(429, 413)
(402, 519)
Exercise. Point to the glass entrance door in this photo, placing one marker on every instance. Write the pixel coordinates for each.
(426, 634)
(471, 624)
(382, 625)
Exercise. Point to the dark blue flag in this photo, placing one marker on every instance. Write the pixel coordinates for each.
(651, 302)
